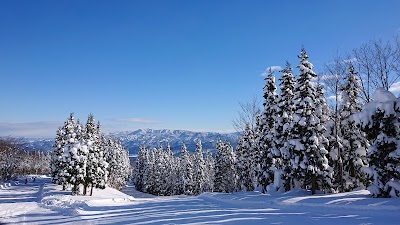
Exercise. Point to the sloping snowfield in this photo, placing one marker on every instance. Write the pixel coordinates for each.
(40, 202)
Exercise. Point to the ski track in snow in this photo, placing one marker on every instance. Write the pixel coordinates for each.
(41, 202)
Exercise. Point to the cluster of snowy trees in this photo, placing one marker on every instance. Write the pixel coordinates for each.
(300, 142)
(35, 162)
(15, 161)
(159, 172)
(82, 157)
(296, 141)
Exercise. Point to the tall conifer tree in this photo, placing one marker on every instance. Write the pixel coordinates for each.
(266, 130)
(284, 117)
(308, 154)
(355, 144)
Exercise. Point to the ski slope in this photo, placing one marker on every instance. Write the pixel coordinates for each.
(40, 202)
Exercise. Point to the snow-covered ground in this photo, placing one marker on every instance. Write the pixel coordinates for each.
(41, 202)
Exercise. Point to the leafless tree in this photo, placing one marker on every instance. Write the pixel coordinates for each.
(333, 77)
(247, 115)
(378, 63)
(335, 72)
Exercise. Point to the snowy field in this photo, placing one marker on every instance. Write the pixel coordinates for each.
(41, 202)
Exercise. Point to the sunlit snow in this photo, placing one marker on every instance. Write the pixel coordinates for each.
(40, 202)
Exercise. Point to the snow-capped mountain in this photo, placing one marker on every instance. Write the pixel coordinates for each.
(153, 138)
(132, 140)
(37, 144)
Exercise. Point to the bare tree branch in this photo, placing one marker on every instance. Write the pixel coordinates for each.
(247, 115)
(378, 64)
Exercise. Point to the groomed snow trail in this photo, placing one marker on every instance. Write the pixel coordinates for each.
(40, 202)
(21, 203)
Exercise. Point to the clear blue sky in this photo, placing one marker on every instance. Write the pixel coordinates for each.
(162, 64)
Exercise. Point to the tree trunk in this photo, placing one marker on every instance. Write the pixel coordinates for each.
(288, 183)
(341, 175)
(91, 190)
(75, 189)
(313, 184)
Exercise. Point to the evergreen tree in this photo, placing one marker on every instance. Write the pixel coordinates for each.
(118, 164)
(170, 170)
(57, 164)
(159, 173)
(225, 172)
(380, 121)
(198, 170)
(266, 141)
(139, 169)
(323, 112)
(148, 175)
(209, 172)
(355, 145)
(258, 153)
(334, 136)
(96, 166)
(75, 156)
(284, 117)
(245, 158)
(308, 154)
(186, 172)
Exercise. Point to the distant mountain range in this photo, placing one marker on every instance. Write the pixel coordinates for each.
(153, 138)
(132, 140)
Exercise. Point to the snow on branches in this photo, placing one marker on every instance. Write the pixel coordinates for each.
(83, 158)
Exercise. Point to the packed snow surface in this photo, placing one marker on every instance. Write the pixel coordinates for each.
(40, 202)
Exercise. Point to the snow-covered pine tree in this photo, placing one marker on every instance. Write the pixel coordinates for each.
(284, 117)
(265, 176)
(245, 158)
(118, 164)
(186, 171)
(241, 161)
(125, 163)
(231, 165)
(96, 166)
(91, 139)
(308, 154)
(139, 169)
(355, 144)
(335, 148)
(170, 170)
(57, 165)
(257, 132)
(198, 170)
(75, 155)
(219, 167)
(102, 172)
(323, 113)
(380, 121)
(148, 175)
(225, 171)
(209, 172)
(160, 187)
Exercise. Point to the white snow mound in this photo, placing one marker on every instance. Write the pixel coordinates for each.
(382, 95)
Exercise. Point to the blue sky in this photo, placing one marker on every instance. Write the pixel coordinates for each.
(163, 64)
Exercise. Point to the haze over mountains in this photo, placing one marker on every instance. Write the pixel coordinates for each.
(132, 140)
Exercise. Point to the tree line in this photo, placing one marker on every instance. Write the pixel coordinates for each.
(296, 141)
(83, 158)
(300, 142)
(159, 172)
(16, 161)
